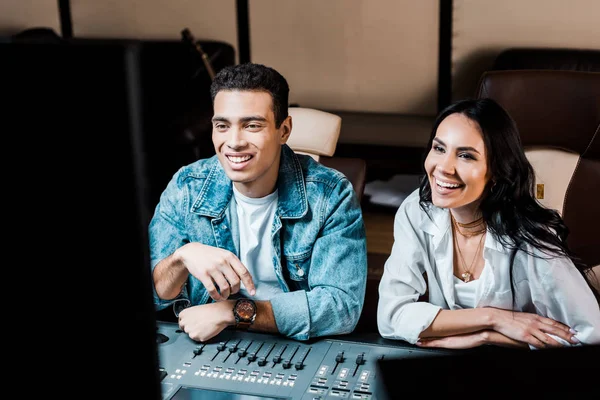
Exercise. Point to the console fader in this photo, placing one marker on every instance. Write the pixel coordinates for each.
(258, 366)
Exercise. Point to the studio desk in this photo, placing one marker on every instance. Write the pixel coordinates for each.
(256, 366)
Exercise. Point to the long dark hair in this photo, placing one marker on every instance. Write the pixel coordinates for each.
(511, 212)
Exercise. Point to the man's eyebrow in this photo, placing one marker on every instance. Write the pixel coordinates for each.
(253, 118)
(463, 148)
(219, 119)
(243, 120)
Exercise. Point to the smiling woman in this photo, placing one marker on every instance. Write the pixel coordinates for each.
(493, 260)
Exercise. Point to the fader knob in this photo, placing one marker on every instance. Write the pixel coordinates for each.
(360, 359)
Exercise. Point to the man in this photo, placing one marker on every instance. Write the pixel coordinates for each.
(257, 236)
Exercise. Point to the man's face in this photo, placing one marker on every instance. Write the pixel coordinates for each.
(246, 140)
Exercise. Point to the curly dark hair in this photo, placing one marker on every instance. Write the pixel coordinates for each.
(255, 77)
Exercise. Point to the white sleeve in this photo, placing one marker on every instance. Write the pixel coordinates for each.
(399, 314)
(565, 296)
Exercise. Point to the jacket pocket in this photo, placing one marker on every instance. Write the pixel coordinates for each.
(298, 267)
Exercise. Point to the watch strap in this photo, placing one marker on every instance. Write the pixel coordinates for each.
(243, 325)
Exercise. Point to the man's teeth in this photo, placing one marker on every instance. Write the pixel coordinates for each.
(447, 185)
(239, 159)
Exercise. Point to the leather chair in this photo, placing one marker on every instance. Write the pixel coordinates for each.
(558, 116)
(566, 59)
(316, 133)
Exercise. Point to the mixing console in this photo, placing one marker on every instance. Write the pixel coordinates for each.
(248, 365)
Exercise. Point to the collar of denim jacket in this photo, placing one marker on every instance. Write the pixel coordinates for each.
(216, 193)
(292, 202)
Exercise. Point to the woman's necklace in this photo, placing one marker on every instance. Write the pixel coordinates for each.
(475, 228)
(468, 274)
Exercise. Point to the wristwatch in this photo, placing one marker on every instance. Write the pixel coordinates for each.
(244, 312)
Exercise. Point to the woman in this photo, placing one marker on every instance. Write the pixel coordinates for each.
(493, 262)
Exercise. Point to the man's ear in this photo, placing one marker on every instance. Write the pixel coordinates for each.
(286, 129)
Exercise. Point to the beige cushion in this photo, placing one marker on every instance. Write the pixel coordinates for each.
(554, 170)
(314, 132)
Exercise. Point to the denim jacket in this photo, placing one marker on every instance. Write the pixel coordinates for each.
(318, 239)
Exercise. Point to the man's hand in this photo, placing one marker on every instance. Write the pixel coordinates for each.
(219, 270)
(531, 328)
(206, 321)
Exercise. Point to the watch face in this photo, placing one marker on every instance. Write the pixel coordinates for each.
(245, 309)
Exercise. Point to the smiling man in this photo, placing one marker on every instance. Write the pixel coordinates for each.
(258, 237)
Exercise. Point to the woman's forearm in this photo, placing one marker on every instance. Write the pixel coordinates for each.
(457, 322)
(498, 339)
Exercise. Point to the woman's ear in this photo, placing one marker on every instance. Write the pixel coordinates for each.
(492, 185)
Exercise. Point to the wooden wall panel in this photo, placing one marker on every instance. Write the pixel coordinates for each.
(355, 55)
(156, 19)
(483, 28)
(18, 15)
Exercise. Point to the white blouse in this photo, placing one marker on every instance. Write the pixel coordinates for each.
(550, 287)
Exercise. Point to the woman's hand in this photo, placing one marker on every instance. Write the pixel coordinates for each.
(464, 341)
(531, 328)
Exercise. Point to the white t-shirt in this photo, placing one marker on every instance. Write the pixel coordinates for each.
(464, 292)
(255, 221)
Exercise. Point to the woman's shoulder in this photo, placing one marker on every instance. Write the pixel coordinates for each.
(411, 202)
(414, 209)
(544, 264)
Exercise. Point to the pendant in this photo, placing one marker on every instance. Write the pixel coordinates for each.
(466, 276)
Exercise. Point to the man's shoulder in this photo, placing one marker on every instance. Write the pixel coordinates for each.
(199, 169)
(315, 171)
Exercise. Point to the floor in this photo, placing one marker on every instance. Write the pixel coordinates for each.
(379, 204)
(379, 227)
(380, 233)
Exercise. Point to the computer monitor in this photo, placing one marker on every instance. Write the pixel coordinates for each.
(492, 373)
(75, 220)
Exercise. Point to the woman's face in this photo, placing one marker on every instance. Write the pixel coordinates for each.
(457, 164)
